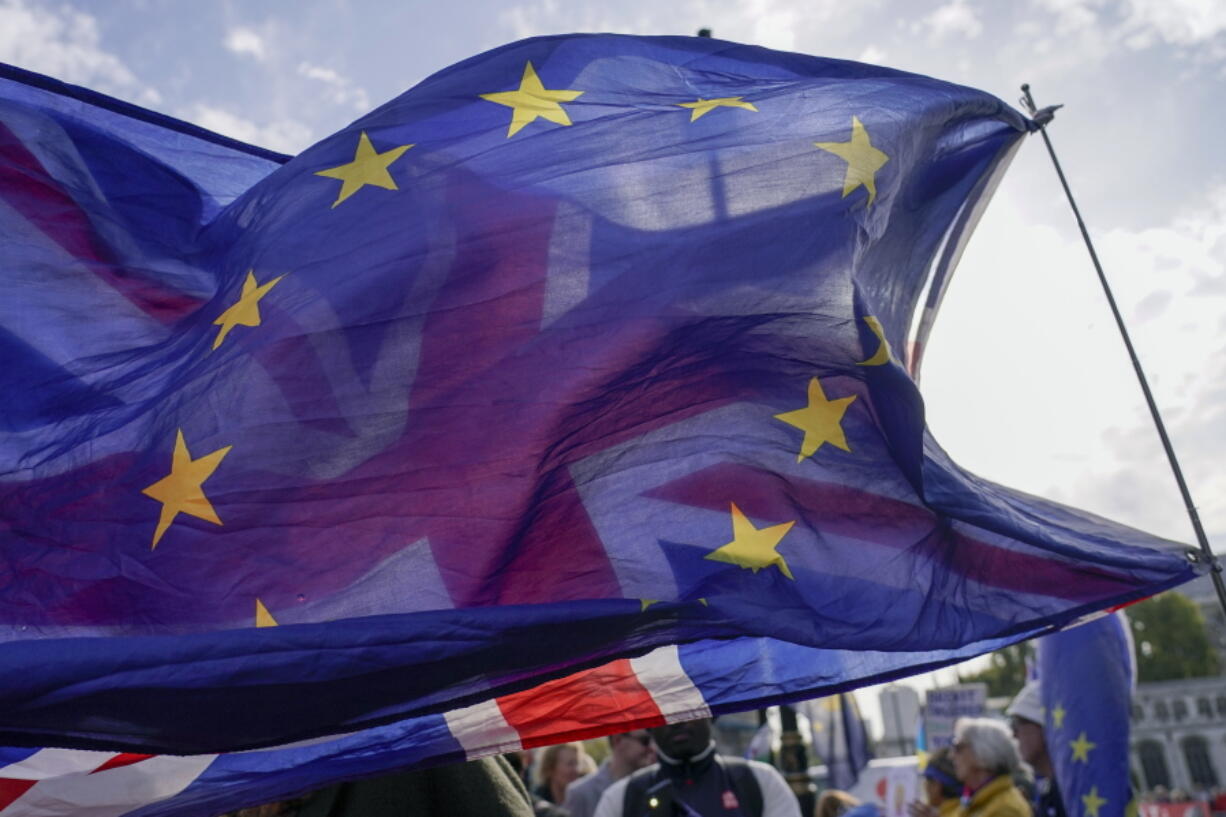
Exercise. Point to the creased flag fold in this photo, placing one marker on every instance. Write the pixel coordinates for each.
(587, 349)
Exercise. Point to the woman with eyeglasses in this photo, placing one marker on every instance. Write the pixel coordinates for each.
(628, 752)
(985, 760)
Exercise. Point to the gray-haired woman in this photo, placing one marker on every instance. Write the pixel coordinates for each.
(985, 759)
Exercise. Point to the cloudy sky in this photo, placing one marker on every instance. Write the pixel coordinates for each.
(1026, 380)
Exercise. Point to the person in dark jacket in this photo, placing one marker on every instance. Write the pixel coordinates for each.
(691, 779)
(485, 787)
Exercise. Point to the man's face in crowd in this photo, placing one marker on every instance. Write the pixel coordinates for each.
(683, 740)
(634, 748)
(1029, 736)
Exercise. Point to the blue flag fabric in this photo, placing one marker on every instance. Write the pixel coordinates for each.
(840, 737)
(584, 346)
(1086, 679)
(669, 684)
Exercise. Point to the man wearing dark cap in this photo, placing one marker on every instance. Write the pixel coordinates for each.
(691, 779)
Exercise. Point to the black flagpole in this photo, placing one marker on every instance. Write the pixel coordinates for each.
(1041, 118)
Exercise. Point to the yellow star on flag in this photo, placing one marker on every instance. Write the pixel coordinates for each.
(181, 490)
(647, 603)
(753, 548)
(863, 160)
(531, 100)
(1081, 748)
(368, 167)
(821, 421)
(263, 618)
(701, 106)
(1057, 716)
(1093, 802)
(246, 311)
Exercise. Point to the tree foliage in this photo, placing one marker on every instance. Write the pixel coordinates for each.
(1171, 639)
(1006, 672)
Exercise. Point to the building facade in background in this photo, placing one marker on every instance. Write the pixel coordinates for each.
(1179, 727)
(1179, 734)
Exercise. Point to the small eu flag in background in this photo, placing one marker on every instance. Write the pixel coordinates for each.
(840, 737)
(1086, 678)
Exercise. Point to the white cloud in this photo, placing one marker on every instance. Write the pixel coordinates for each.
(540, 17)
(1087, 31)
(1027, 381)
(525, 20)
(956, 17)
(340, 89)
(872, 54)
(65, 43)
(322, 74)
(1177, 22)
(1057, 38)
(1181, 347)
(245, 41)
(774, 25)
(1152, 305)
(286, 135)
(781, 24)
(1072, 16)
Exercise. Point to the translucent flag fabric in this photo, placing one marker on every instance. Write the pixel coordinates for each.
(584, 348)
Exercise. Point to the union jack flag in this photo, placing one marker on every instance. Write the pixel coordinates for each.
(590, 354)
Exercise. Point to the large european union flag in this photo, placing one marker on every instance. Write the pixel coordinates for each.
(583, 347)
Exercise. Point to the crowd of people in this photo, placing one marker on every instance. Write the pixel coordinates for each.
(991, 770)
(981, 775)
(667, 770)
